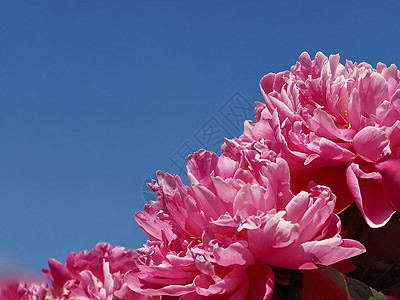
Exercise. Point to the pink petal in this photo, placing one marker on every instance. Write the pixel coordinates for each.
(271, 82)
(235, 254)
(220, 284)
(152, 225)
(210, 206)
(138, 285)
(225, 192)
(247, 200)
(332, 176)
(394, 137)
(390, 170)
(371, 144)
(59, 273)
(261, 280)
(322, 124)
(354, 109)
(226, 167)
(200, 165)
(333, 154)
(330, 251)
(369, 196)
(276, 233)
(373, 90)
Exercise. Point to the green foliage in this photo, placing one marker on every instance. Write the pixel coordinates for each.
(353, 288)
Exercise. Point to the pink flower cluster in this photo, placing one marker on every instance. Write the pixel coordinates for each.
(24, 291)
(327, 135)
(97, 274)
(337, 125)
(221, 237)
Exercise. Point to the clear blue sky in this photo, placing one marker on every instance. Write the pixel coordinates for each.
(95, 96)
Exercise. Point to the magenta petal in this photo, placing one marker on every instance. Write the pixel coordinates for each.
(322, 124)
(333, 153)
(371, 144)
(327, 251)
(138, 285)
(297, 207)
(247, 200)
(224, 191)
(59, 273)
(200, 165)
(394, 136)
(390, 170)
(369, 196)
(311, 211)
(354, 109)
(271, 82)
(207, 201)
(333, 250)
(259, 130)
(152, 225)
(276, 233)
(374, 90)
(226, 167)
(88, 279)
(286, 233)
(221, 283)
(235, 254)
(261, 280)
(284, 112)
(205, 285)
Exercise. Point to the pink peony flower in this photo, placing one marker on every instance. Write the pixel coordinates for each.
(338, 126)
(97, 274)
(24, 291)
(194, 272)
(223, 236)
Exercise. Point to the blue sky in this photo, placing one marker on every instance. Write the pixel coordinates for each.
(95, 96)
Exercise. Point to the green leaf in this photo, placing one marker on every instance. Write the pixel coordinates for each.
(336, 277)
(353, 288)
(360, 291)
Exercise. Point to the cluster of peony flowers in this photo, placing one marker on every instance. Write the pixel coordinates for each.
(263, 220)
(338, 126)
(24, 291)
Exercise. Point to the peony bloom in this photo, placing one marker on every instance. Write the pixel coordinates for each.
(337, 125)
(223, 236)
(97, 274)
(192, 271)
(24, 291)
